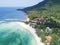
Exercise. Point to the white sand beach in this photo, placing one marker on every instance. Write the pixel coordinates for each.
(32, 31)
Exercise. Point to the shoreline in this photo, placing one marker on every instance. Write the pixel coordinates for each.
(32, 31)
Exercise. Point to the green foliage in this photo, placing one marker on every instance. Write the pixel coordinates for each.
(33, 14)
(51, 23)
(41, 34)
(55, 39)
(50, 10)
(40, 26)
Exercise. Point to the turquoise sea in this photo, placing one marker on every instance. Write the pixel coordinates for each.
(13, 34)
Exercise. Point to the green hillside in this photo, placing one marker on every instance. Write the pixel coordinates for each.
(47, 9)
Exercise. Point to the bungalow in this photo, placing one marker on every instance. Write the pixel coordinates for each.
(39, 20)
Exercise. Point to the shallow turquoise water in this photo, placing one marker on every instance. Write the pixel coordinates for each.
(13, 34)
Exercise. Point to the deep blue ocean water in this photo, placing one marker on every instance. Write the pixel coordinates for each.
(11, 13)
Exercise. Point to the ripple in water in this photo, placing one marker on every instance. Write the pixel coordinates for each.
(12, 34)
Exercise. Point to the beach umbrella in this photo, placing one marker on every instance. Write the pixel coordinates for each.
(48, 38)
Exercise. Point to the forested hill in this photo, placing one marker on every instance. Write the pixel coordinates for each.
(47, 8)
(36, 6)
(43, 4)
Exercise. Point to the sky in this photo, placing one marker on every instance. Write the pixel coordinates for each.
(18, 3)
